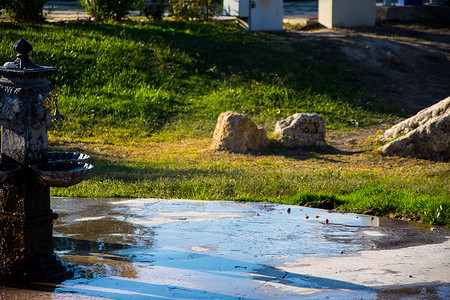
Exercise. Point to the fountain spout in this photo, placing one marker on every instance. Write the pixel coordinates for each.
(57, 116)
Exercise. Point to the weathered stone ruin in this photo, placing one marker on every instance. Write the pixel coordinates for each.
(301, 130)
(425, 135)
(237, 133)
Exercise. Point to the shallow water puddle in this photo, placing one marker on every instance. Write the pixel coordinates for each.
(183, 249)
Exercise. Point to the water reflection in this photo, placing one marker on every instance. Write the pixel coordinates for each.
(96, 220)
(259, 229)
(68, 246)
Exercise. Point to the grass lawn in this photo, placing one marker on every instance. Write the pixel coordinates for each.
(143, 99)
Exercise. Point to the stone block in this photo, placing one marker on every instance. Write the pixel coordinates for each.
(347, 13)
(301, 130)
(237, 133)
(425, 135)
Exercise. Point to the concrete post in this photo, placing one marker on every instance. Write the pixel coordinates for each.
(347, 13)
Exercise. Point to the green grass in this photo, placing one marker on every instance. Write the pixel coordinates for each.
(364, 182)
(145, 77)
(143, 100)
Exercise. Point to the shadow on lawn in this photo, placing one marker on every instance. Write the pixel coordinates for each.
(131, 172)
(305, 152)
(220, 55)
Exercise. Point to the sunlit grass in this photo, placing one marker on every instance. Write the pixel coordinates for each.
(187, 168)
(143, 99)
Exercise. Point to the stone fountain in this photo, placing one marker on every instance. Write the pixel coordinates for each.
(28, 170)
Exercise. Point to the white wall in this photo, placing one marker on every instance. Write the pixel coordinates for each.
(236, 8)
(347, 13)
(266, 15)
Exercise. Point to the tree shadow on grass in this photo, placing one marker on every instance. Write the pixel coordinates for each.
(105, 169)
(187, 50)
(305, 153)
(131, 172)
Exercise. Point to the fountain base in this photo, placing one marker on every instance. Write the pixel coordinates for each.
(26, 226)
(50, 269)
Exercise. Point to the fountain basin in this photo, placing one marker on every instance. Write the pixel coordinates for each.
(67, 157)
(7, 171)
(62, 174)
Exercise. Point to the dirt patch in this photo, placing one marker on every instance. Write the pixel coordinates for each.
(353, 141)
(408, 65)
(405, 63)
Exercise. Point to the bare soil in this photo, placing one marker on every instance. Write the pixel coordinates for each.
(406, 64)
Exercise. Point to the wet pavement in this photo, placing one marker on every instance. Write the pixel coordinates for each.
(185, 249)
